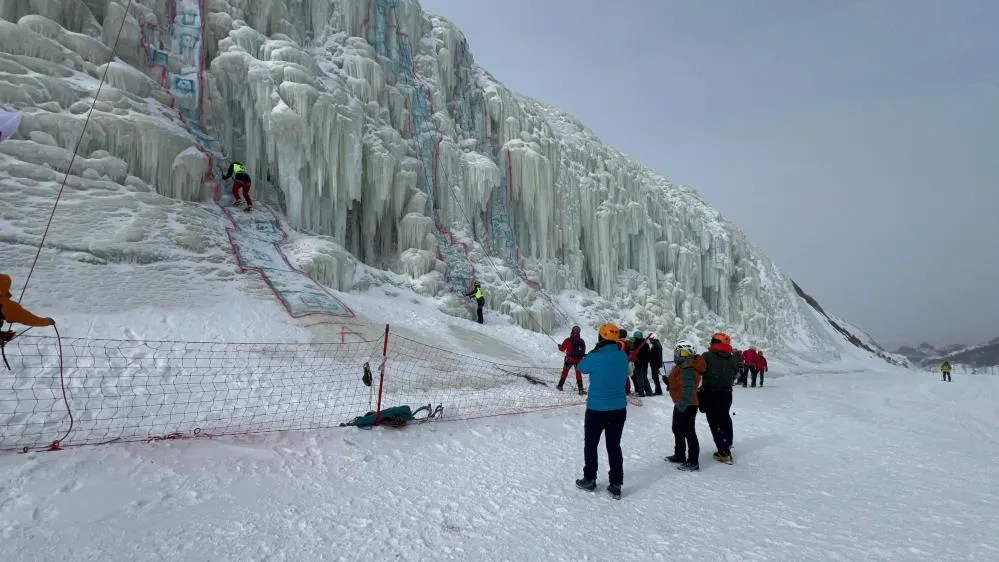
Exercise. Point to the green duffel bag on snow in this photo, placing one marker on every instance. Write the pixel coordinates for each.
(396, 416)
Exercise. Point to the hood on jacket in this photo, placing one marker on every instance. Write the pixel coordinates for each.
(5, 286)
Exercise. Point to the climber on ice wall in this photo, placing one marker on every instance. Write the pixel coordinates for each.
(240, 181)
(575, 349)
(480, 299)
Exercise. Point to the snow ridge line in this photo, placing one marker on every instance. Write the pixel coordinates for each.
(333, 306)
(449, 249)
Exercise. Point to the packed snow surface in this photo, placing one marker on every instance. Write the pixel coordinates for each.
(846, 466)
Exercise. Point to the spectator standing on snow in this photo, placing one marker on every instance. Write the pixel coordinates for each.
(480, 300)
(761, 364)
(13, 312)
(240, 181)
(750, 363)
(606, 409)
(721, 370)
(656, 362)
(945, 369)
(574, 348)
(684, 379)
(640, 357)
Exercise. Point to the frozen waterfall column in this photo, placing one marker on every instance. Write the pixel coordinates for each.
(12, 312)
(480, 299)
(240, 181)
(722, 368)
(575, 349)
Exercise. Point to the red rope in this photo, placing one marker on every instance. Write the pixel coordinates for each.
(55, 446)
(75, 149)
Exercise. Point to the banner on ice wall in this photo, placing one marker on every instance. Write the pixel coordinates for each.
(180, 58)
(9, 122)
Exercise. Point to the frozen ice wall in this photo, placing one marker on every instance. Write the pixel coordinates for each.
(369, 123)
(382, 133)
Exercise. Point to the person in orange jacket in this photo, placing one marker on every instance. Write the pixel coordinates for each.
(13, 312)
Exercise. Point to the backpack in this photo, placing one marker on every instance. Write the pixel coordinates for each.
(578, 348)
(396, 416)
(720, 372)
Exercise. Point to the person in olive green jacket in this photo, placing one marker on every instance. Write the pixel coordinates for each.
(945, 369)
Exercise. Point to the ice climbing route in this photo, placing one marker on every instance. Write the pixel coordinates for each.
(255, 238)
(375, 28)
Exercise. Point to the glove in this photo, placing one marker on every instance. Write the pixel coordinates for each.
(51, 321)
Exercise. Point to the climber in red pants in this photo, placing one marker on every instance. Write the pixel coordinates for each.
(574, 348)
(240, 181)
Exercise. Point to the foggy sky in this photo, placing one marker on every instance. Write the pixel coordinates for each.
(855, 142)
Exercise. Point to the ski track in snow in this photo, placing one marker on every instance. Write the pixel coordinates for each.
(861, 466)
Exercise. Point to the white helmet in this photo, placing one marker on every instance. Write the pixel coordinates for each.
(685, 345)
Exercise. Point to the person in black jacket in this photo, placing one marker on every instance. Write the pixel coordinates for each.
(715, 396)
(640, 356)
(656, 363)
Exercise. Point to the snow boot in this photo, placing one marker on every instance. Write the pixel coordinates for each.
(689, 467)
(582, 392)
(720, 457)
(676, 459)
(237, 203)
(248, 209)
(588, 485)
(558, 387)
(615, 491)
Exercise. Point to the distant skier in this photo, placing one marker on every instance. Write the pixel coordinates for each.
(945, 370)
(656, 363)
(240, 181)
(606, 409)
(640, 357)
(761, 364)
(13, 312)
(480, 299)
(574, 348)
(722, 368)
(684, 379)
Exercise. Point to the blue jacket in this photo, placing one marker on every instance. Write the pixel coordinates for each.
(607, 366)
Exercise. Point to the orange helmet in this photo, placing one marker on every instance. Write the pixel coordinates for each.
(722, 338)
(609, 332)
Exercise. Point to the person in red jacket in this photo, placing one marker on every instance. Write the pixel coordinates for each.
(761, 365)
(750, 361)
(574, 348)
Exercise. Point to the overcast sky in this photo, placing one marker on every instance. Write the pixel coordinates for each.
(855, 142)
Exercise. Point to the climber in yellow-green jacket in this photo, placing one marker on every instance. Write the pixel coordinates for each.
(480, 299)
(945, 369)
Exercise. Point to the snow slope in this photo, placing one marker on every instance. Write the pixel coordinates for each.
(859, 466)
(370, 131)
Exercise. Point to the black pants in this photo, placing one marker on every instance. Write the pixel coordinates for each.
(752, 374)
(640, 378)
(743, 372)
(686, 445)
(716, 406)
(611, 424)
(946, 377)
(478, 309)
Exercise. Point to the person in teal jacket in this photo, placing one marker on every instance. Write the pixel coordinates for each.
(606, 409)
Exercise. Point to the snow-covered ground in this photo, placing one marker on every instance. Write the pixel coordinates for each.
(855, 466)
